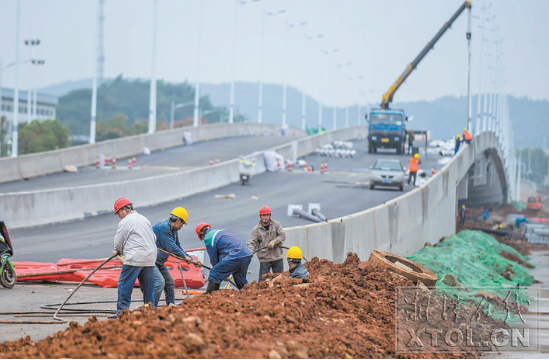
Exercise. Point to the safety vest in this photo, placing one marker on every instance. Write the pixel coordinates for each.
(467, 135)
(414, 164)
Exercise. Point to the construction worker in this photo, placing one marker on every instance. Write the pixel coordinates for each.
(411, 138)
(462, 214)
(135, 240)
(167, 239)
(467, 136)
(297, 270)
(269, 236)
(413, 167)
(458, 143)
(228, 254)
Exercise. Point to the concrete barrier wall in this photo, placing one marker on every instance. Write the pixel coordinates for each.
(32, 165)
(402, 225)
(63, 204)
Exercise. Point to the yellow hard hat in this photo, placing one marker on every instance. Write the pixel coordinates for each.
(294, 253)
(463, 206)
(416, 156)
(458, 136)
(464, 129)
(181, 213)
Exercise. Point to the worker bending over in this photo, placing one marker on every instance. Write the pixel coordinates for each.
(167, 239)
(413, 167)
(135, 240)
(228, 254)
(268, 234)
(297, 270)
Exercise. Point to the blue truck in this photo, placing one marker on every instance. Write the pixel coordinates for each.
(387, 127)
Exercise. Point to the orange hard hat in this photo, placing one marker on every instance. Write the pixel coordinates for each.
(265, 210)
(120, 203)
(199, 228)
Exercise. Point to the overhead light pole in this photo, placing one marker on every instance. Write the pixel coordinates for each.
(15, 135)
(323, 52)
(197, 86)
(35, 100)
(304, 74)
(152, 98)
(262, 56)
(284, 89)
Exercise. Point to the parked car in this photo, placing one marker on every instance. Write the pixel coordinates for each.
(387, 173)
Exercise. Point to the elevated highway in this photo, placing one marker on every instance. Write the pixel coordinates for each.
(361, 219)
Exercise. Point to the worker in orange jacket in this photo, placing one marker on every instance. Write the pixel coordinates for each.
(467, 136)
(413, 167)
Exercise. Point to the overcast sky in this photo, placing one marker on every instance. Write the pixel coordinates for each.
(379, 38)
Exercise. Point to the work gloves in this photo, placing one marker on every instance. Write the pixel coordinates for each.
(271, 244)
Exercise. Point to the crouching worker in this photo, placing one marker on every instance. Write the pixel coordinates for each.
(297, 270)
(228, 254)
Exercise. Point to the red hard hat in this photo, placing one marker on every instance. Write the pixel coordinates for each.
(265, 210)
(120, 203)
(200, 226)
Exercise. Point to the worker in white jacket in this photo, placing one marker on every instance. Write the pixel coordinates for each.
(135, 240)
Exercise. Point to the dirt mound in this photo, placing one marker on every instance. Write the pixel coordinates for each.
(342, 311)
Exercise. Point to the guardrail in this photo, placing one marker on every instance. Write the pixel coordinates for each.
(55, 205)
(49, 162)
(402, 225)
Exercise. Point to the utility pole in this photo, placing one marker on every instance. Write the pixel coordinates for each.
(468, 36)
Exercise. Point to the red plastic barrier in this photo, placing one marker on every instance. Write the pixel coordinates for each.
(107, 278)
(539, 220)
(31, 267)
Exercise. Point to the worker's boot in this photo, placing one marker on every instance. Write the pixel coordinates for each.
(212, 286)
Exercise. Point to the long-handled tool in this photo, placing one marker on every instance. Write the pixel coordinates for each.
(179, 258)
(284, 247)
(183, 277)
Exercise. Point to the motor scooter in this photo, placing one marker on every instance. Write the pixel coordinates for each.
(245, 174)
(8, 278)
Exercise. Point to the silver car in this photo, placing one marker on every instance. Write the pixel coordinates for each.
(387, 173)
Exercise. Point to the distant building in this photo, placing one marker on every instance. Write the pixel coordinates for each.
(45, 106)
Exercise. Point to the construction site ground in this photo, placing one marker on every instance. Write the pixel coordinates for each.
(343, 311)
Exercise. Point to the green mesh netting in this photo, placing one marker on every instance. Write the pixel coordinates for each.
(473, 257)
(518, 205)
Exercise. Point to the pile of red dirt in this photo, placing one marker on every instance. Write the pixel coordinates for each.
(342, 311)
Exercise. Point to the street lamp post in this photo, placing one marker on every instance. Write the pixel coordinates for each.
(262, 56)
(152, 98)
(303, 96)
(31, 43)
(197, 87)
(323, 52)
(15, 143)
(35, 100)
(284, 89)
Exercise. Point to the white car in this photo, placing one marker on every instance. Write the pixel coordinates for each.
(387, 173)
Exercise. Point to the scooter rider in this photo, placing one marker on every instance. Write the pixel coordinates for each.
(228, 254)
(268, 233)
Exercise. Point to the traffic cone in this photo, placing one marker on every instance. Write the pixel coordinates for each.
(134, 161)
(129, 163)
(278, 163)
(321, 167)
(114, 162)
(217, 161)
(211, 162)
(107, 160)
(97, 165)
(305, 168)
(326, 166)
(289, 166)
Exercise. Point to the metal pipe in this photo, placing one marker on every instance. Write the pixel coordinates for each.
(320, 215)
(305, 215)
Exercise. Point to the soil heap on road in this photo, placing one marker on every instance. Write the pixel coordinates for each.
(342, 311)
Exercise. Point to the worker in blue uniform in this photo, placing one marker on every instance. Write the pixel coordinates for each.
(229, 255)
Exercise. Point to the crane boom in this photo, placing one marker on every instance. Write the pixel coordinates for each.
(388, 96)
